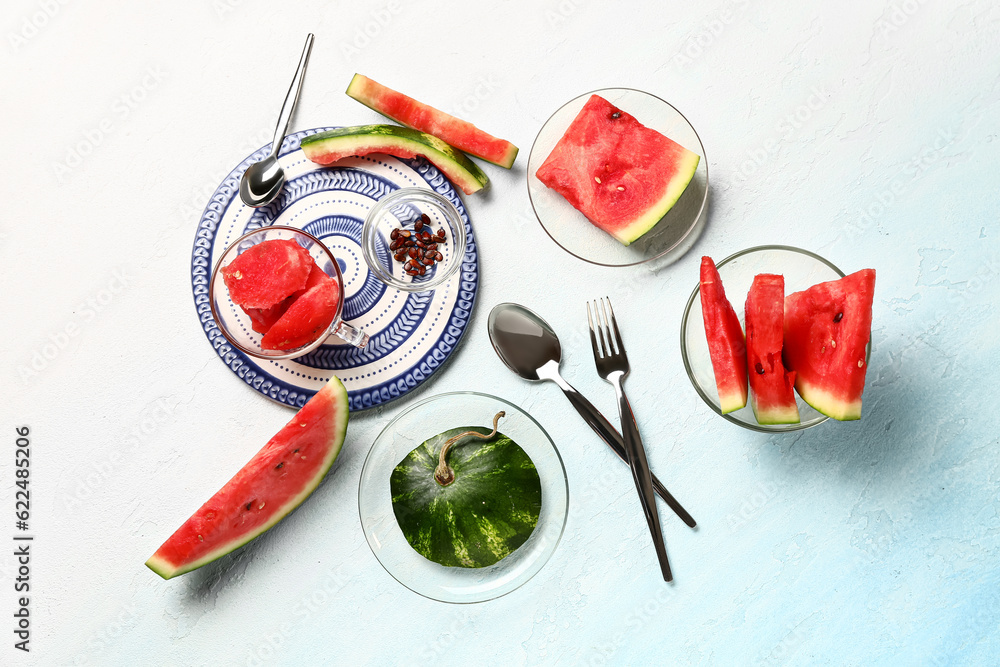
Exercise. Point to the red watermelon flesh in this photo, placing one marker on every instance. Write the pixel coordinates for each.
(459, 133)
(827, 328)
(771, 393)
(622, 175)
(262, 319)
(726, 344)
(267, 272)
(306, 319)
(274, 482)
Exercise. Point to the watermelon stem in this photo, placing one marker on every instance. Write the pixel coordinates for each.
(443, 474)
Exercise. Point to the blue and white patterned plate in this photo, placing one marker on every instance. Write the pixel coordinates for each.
(411, 334)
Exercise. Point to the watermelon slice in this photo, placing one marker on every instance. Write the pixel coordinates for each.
(726, 344)
(619, 173)
(262, 319)
(325, 148)
(772, 397)
(275, 481)
(266, 273)
(307, 318)
(827, 328)
(405, 110)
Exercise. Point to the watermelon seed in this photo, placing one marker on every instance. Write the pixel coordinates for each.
(838, 317)
(621, 189)
(424, 218)
(249, 504)
(261, 506)
(295, 451)
(597, 179)
(833, 343)
(418, 225)
(280, 466)
(201, 539)
(394, 234)
(616, 115)
(759, 369)
(861, 363)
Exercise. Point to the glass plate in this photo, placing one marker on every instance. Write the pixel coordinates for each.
(457, 584)
(801, 269)
(677, 230)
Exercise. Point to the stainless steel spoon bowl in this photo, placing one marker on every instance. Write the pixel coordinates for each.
(529, 347)
(263, 180)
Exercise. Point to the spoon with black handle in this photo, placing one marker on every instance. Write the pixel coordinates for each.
(529, 347)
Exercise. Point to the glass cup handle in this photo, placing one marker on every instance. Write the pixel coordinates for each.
(350, 335)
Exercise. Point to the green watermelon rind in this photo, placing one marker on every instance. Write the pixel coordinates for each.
(363, 90)
(419, 502)
(775, 415)
(824, 402)
(327, 147)
(335, 390)
(686, 168)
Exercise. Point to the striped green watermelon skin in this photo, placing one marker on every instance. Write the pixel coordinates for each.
(489, 511)
(327, 147)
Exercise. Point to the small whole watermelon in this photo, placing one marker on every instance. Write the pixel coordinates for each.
(488, 510)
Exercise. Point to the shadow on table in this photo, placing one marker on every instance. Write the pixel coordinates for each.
(896, 427)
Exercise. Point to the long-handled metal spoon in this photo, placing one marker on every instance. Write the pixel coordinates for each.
(529, 347)
(263, 180)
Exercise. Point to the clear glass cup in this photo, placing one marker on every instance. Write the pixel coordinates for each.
(399, 210)
(235, 324)
(801, 269)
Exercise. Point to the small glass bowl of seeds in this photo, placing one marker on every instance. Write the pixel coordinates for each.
(414, 239)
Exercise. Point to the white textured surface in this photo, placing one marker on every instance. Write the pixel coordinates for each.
(868, 543)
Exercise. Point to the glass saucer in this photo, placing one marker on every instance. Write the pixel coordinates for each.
(677, 230)
(458, 584)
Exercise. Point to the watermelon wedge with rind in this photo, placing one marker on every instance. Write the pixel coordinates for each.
(403, 109)
(273, 483)
(623, 176)
(726, 343)
(307, 318)
(826, 332)
(771, 385)
(266, 273)
(327, 147)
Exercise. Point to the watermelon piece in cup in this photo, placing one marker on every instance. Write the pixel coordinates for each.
(262, 319)
(307, 318)
(266, 273)
(826, 333)
(726, 343)
(771, 386)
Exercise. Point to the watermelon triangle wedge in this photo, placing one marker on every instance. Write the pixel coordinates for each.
(726, 343)
(771, 384)
(826, 333)
(274, 482)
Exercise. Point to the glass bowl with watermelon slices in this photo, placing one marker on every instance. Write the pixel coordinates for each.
(479, 510)
(800, 270)
(413, 239)
(619, 177)
(275, 293)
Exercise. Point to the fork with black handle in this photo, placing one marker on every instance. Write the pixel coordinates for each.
(612, 364)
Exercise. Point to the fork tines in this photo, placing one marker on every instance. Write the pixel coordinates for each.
(605, 344)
